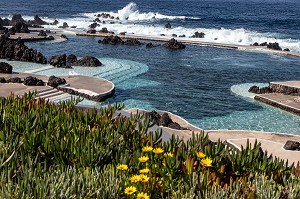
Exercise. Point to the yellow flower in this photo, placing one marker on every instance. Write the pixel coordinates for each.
(158, 150)
(206, 162)
(130, 190)
(144, 170)
(200, 155)
(143, 159)
(143, 195)
(147, 149)
(144, 178)
(135, 178)
(168, 154)
(122, 167)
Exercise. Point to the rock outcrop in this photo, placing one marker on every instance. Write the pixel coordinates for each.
(257, 90)
(163, 120)
(292, 145)
(14, 80)
(37, 21)
(174, 44)
(33, 81)
(113, 40)
(17, 50)
(5, 68)
(168, 26)
(19, 27)
(88, 61)
(198, 35)
(56, 81)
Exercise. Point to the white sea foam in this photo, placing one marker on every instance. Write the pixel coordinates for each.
(131, 20)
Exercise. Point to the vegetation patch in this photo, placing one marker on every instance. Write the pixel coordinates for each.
(59, 151)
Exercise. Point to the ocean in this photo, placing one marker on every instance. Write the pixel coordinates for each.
(207, 86)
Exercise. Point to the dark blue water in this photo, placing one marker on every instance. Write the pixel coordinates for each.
(194, 83)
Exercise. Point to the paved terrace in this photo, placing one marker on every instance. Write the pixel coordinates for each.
(91, 86)
(290, 103)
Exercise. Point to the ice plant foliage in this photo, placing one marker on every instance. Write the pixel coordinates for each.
(58, 151)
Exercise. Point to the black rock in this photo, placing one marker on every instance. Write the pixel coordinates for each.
(2, 80)
(59, 61)
(71, 59)
(64, 37)
(5, 68)
(19, 27)
(38, 21)
(153, 116)
(286, 49)
(16, 19)
(255, 44)
(134, 42)
(65, 25)
(174, 35)
(33, 81)
(42, 33)
(91, 31)
(165, 120)
(14, 80)
(274, 46)
(292, 145)
(174, 44)
(113, 40)
(104, 30)
(198, 35)
(55, 81)
(168, 25)
(149, 45)
(181, 35)
(254, 89)
(88, 61)
(55, 22)
(50, 37)
(93, 25)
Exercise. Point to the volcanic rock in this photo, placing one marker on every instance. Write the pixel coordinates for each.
(55, 81)
(103, 30)
(168, 26)
(16, 19)
(5, 68)
(42, 33)
(2, 80)
(64, 37)
(19, 27)
(65, 25)
(17, 50)
(33, 81)
(71, 59)
(88, 61)
(37, 21)
(198, 35)
(134, 42)
(274, 46)
(257, 90)
(113, 40)
(174, 44)
(91, 31)
(14, 80)
(292, 145)
(59, 61)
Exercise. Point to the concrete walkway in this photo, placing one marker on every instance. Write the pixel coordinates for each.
(270, 142)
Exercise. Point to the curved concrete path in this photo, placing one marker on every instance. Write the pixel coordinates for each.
(271, 142)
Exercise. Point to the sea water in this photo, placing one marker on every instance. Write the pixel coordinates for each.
(204, 85)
